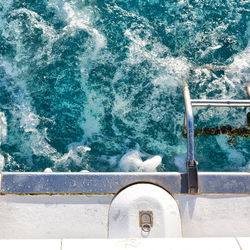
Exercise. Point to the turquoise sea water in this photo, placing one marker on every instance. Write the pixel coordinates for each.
(97, 85)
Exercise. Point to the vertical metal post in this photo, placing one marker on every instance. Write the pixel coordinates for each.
(248, 88)
(191, 162)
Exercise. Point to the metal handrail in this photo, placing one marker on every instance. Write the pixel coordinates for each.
(248, 88)
(220, 103)
(191, 163)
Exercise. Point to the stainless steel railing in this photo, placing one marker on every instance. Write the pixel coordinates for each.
(191, 163)
(248, 88)
(220, 103)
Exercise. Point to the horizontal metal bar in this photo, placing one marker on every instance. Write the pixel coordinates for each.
(222, 182)
(110, 183)
(221, 103)
(88, 183)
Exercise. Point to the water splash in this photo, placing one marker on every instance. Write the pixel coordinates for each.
(107, 76)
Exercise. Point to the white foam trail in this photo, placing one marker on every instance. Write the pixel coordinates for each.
(84, 171)
(14, 31)
(171, 73)
(76, 154)
(239, 71)
(83, 19)
(173, 70)
(132, 161)
(31, 141)
(23, 112)
(48, 170)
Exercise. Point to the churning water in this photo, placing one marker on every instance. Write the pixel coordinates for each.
(97, 84)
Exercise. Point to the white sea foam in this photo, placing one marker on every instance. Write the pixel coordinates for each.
(84, 171)
(24, 117)
(83, 18)
(76, 155)
(239, 71)
(25, 52)
(33, 141)
(48, 170)
(132, 161)
(171, 72)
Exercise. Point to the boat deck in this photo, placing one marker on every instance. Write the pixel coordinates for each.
(129, 244)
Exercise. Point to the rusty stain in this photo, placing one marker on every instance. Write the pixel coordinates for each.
(228, 130)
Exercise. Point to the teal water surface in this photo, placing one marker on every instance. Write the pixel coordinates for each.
(97, 85)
